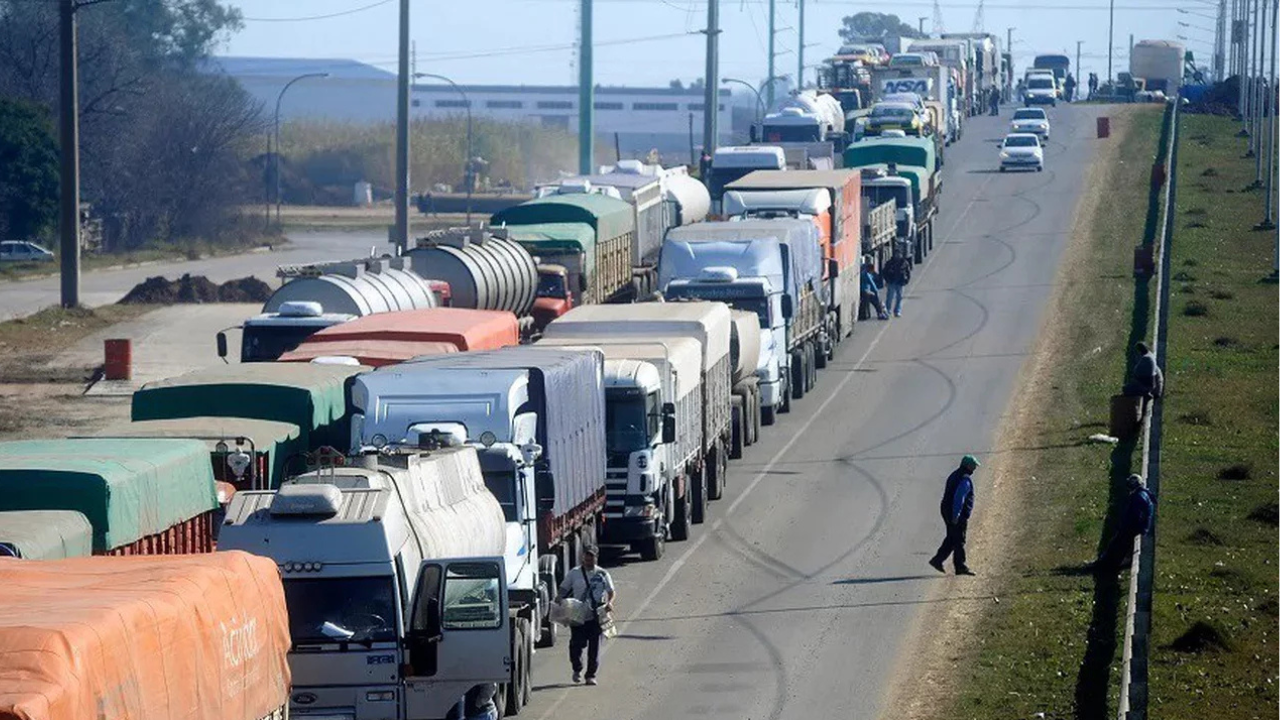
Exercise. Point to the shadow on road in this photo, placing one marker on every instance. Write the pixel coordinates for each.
(877, 580)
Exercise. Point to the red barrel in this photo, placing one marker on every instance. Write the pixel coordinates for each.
(1104, 127)
(118, 364)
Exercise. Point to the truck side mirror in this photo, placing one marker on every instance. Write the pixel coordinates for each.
(753, 134)
(833, 268)
(582, 283)
(787, 310)
(221, 338)
(668, 428)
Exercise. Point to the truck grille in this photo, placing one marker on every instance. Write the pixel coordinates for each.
(615, 487)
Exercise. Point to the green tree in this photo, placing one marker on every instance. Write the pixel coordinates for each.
(871, 26)
(29, 182)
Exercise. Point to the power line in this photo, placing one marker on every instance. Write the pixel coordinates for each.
(307, 18)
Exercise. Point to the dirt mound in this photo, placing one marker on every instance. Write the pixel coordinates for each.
(244, 290)
(1201, 637)
(196, 289)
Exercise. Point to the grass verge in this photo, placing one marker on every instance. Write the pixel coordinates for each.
(1048, 646)
(27, 344)
(1213, 650)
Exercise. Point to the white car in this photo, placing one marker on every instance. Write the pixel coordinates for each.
(1039, 90)
(1031, 120)
(1022, 151)
(23, 251)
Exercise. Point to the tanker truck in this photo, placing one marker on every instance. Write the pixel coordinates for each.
(395, 570)
(536, 418)
(487, 270)
(744, 353)
(809, 127)
(320, 295)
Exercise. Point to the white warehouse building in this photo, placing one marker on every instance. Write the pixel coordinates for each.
(643, 118)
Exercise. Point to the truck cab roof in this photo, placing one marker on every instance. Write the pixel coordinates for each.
(315, 524)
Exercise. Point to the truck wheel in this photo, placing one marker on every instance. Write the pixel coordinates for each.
(698, 513)
(547, 635)
(799, 382)
(786, 393)
(715, 479)
(527, 695)
(680, 523)
(512, 691)
(768, 415)
(739, 437)
(930, 236)
(756, 411)
(815, 351)
(652, 548)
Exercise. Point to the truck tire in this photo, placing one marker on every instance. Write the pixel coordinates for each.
(756, 411)
(527, 695)
(652, 548)
(513, 690)
(822, 351)
(739, 437)
(547, 630)
(815, 352)
(785, 407)
(698, 513)
(680, 520)
(799, 374)
(715, 477)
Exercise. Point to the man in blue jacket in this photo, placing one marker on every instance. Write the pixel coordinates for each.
(956, 507)
(871, 289)
(1136, 519)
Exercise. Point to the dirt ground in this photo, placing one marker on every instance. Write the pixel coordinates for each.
(923, 685)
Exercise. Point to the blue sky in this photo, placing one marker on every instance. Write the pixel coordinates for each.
(649, 42)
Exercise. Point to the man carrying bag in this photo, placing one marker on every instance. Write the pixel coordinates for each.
(588, 583)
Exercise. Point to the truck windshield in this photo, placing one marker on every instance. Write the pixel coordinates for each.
(502, 484)
(882, 194)
(551, 286)
(325, 610)
(792, 133)
(264, 343)
(749, 303)
(630, 420)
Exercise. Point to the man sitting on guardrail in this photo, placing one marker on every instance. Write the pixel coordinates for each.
(1147, 380)
(1136, 519)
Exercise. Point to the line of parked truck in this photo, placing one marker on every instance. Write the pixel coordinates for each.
(421, 445)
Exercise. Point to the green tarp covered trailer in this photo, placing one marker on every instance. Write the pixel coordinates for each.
(141, 496)
(914, 175)
(45, 534)
(311, 396)
(608, 217)
(911, 151)
(276, 447)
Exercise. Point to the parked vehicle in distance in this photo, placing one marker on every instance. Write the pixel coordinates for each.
(1031, 120)
(1021, 150)
(23, 251)
(1041, 89)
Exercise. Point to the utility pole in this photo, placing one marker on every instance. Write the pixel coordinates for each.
(401, 232)
(1078, 44)
(921, 19)
(1254, 66)
(1268, 220)
(69, 137)
(1269, 90)
(711, 83)
(800, 51)
(586, 96)
(1220, 43)
(772, 33)
(1243, 52)
(1111, 43)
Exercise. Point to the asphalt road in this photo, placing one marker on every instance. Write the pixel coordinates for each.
(794, 600)
(102, 287)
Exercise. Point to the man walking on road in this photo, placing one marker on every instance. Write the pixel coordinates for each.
(896, 274)
(590, 584)
(1069, 87)
(956, 507)
(1135, 520)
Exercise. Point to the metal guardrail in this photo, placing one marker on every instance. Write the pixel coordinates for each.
(1137, 628)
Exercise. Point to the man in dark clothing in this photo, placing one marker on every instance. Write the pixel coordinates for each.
(1136, 519)
(1069, 87)
(871, 289)
(1093, 85)
(896, 275)
(956, 507)
(1147, 380)
(994, 100)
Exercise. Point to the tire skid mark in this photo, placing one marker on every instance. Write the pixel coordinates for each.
(729, 538)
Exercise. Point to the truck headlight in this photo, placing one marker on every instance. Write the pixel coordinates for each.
(380, 696)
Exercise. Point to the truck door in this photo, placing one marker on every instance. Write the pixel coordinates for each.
(459, 633)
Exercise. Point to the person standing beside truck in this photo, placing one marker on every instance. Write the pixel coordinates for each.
(871, 289)
(956, 507)
(590, 584)
(896, 274)
(1069, 87)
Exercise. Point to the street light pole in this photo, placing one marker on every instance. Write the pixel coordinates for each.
(759, 114)
(403, 79)
(1078, 44)
(1111, 43)
(921, 20)
(466, 165)
(275, 160)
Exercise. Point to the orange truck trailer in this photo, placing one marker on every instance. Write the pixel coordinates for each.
(191, 637)
(833, 199)
(393, 337)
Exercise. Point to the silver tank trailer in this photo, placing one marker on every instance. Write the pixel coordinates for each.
(356, 287)
(485, 270)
